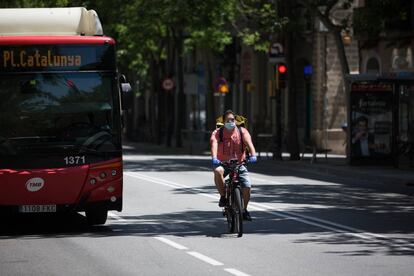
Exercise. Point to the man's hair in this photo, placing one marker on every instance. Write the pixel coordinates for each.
(227, 112)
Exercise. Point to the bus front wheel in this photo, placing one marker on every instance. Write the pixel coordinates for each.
(96, 216)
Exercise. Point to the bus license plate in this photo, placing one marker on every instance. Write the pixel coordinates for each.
(38, 209)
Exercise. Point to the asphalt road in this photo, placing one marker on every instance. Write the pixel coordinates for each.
(171, 225)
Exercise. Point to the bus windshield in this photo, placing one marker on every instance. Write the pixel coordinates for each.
(55, 113)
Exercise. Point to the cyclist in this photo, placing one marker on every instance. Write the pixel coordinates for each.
(228, 143)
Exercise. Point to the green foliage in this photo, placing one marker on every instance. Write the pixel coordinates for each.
(145, 28)
(259, 21)
(381, 16)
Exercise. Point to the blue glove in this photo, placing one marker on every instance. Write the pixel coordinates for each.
(215, 161)
(253, 159)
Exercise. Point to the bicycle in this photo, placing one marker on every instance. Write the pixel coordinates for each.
(233, 210)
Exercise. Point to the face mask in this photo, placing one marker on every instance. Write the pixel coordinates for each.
(230, 125)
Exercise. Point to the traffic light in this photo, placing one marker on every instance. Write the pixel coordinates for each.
(221, 86)
(281, 75)
(281, 68)
(224, 88)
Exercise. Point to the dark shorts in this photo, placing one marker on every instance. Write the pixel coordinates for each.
(243, 176)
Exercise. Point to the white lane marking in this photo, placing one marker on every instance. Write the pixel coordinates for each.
(171, 243)
(266, 180)
(171, 184)
(116, 217)
(204, 258)
(153, 179)
(328, 225)
(200, 256)
(339, 227)
(235, 272)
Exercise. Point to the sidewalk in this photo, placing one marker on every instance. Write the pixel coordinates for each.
(385, 177)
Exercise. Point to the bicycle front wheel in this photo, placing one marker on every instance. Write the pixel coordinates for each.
(238, 212)
(230, 219)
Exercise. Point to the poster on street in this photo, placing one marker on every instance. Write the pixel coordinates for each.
(371, 120)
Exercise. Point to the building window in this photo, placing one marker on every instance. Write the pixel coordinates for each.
(373, 65)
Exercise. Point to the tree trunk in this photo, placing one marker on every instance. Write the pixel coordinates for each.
(160, 111)
(181, 100)
(336, 32)
(169, 99)
(154, 96)
(333, 29)
(292, 136)
(211, 108)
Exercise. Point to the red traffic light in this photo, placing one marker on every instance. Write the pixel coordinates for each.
(282, 69)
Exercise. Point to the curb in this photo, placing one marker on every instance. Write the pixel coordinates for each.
(387, 179)
(384, 178)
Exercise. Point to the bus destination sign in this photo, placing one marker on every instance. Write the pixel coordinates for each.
(13, 59)
(56, 58)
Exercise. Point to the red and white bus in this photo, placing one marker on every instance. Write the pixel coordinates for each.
(60, 114)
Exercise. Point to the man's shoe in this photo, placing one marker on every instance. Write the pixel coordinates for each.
(246, 215)
(223, 201)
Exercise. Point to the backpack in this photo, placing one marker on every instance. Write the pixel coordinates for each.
(240, 122)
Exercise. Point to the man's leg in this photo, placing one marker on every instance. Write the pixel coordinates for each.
(246, 185)
(246, 196)
(219, 181)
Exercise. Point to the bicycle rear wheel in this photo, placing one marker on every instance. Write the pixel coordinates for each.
(238, 212)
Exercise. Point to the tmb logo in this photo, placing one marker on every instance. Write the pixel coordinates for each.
(35, 184)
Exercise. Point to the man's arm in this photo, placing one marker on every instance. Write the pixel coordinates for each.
(248, 141)
(213, 144)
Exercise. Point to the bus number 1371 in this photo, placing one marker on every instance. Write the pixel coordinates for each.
(74, 160)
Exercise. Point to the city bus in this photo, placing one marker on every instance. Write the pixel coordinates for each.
(60, 114)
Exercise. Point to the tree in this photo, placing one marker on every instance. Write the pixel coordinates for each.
(150, 28)
(322, 10)
(373, 21)
(153, 36)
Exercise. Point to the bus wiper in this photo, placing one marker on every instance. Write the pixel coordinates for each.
(33, 138)
(83, 149)
(87, 150)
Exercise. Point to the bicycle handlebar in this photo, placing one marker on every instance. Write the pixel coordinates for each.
(234, 163)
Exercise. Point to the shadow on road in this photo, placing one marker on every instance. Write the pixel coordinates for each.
(198, 223)
(337, 200)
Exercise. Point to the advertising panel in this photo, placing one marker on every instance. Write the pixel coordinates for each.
(371, 123)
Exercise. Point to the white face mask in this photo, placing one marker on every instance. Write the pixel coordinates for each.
(230, 125)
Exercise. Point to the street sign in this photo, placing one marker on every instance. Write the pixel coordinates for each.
(276, 53)
(277, 60)
(276, 50)
(168, 84)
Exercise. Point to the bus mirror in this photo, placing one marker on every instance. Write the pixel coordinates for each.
(126, 87)
(122, 78)
(126, 96)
